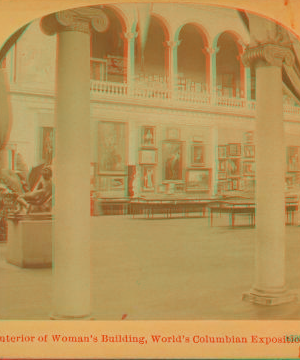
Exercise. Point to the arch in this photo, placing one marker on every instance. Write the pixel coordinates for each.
(202, 31)
(151, 59)
(229, 70)
(191, 54)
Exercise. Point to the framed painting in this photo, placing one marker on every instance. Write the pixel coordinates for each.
(148, 157)
(111, 147)
(248, 137)
(235, 184)
(222, 164)
(222, 151)
(249, 168)
(197, 155)
(173, 134)
(148, 136)
(147, 178)
(233, 167)
(292, 155)
(198, 180)
(234, 150)
(249, 151)
(172, 159)
(47, 144)
(222, 175)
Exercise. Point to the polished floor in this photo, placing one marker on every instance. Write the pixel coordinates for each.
(173, 269)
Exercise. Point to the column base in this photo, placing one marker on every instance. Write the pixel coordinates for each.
(266, 298)
(69, 317)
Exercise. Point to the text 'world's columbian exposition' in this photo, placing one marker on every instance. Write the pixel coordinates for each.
(150, 339)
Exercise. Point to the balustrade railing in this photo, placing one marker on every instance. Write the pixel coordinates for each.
(197, 96)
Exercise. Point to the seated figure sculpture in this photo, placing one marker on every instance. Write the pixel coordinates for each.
(38, 200)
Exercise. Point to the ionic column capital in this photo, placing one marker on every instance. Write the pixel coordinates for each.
(211, 50)
(80, 20)
(130, 35)
(268, 54)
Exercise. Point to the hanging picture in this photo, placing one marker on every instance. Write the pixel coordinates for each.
(148, 156)
(233, 167)
(249, 151)
(293, 158)
(248, 137)
(234, 149)
(197, 155)
(198, 180)
(249, 168)
(222, 151)
(47, 148)
(111, 147)
(173, 134)
(222, 164)
(172, 160)
(148, 136)
(147, 178)
(222, 175)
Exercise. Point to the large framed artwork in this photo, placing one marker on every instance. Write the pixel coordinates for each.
(198, 180)
(197, 155)
(147, 178)
(109, 184)
(148, 136)
(222, 151)
(112, 147)
(293, 158)
(47, 144)
(172, 160)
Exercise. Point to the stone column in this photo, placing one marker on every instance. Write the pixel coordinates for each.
(71, 242)
(214, 160)
(211, 72)
(269, 284)
(172, 73)
(130, 57)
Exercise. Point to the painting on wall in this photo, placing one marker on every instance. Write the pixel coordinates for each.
(147, 178)
(148, 136)
(47, 144)
(293, 158)
(111, 183)
(249, 168)
(148, 156)
(234, 149)
(111, 147)
(249, 151)
(173, 134)
(198, 180)
(222, 151)
(172, 160)
(233, 167)
(197, 155)
(222, 164)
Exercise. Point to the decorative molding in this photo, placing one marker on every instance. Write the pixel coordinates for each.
(268, 54)
(172, 44)
(80, 20)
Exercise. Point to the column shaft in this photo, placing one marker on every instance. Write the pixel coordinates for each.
(72, 178)
(270, 177)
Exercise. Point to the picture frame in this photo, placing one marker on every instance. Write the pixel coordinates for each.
(236, 184)
(173, 134)
(172, 160)
(148, 136)
(222, 164)
(234, 149)
(292, 158)
(248, 137)
(198, 180)
(47, 144)
(249, 168)
(147, 178)
(222, 151)
(112, 153)
(222, 175)
(249, 151)
(197, 155)
(147, 157)
(233, 167)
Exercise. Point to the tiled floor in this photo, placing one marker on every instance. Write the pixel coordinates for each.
(174, 269)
